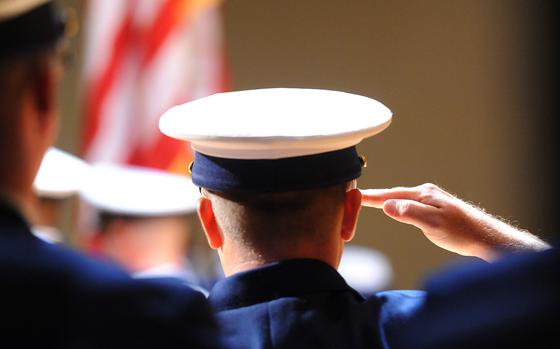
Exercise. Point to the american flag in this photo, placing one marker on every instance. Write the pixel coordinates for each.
(142, 57)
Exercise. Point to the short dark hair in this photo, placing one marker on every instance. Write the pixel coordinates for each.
(269, 220)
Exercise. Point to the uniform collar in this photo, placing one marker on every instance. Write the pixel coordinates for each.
(290, 278)
(48, 234)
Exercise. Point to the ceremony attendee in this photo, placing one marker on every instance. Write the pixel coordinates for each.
(278, 170)
(145, 220)
(51, 296)
(60, 177)
(512, 303)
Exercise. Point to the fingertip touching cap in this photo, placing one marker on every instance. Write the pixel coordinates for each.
(276, 139)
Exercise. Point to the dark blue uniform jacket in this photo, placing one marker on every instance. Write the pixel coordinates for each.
(512, 303)
(305, 303)
(52, 297)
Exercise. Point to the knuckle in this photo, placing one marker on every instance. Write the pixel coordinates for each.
(429, 194)
(426, 197)
(430, 187)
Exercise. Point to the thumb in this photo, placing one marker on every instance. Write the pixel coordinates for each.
(410, 212)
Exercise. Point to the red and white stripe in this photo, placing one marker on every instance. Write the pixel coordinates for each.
(142, 57)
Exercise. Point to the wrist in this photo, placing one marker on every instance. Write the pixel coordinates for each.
(502, 238)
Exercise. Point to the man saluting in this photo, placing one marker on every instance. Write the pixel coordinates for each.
(277, 169)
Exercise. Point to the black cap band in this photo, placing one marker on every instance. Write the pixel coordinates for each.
(35, 29)
(279, 175)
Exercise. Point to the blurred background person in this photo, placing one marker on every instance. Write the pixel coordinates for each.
(140, 57)
(60, 177)
(146, 221)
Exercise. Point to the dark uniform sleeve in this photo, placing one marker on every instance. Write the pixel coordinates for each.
(52, 297)
(510, 304)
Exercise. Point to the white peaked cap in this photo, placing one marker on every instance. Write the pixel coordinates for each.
(275, 123)
(139, 191)
(365, 269)
(60, 175)
(13, 8)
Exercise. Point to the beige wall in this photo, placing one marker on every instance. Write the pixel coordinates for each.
(453, 72)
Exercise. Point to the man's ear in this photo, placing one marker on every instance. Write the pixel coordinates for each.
(352, 205)
(209, 223)
(44, 88)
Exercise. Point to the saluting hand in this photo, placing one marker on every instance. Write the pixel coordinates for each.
(449, 222)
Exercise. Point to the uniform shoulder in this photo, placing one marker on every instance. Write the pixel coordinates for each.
(400, 303)
(395, 309)
(401, 298)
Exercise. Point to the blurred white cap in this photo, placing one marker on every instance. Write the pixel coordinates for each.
(139, 191)
(60, 175)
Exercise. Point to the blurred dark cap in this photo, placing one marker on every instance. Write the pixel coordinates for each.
(29, 25)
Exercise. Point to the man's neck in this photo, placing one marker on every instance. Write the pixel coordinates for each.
(242, 266)
(20, 201)
(249, 261)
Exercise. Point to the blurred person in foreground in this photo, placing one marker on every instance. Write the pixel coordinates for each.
(146, 218)
(60, 177)
(51, 296)
(278, 170)
(510, 303)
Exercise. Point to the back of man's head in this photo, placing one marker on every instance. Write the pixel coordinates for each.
(30, 33)
(280, 222)
(276, 165)
(21, 75)
(145, 215)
